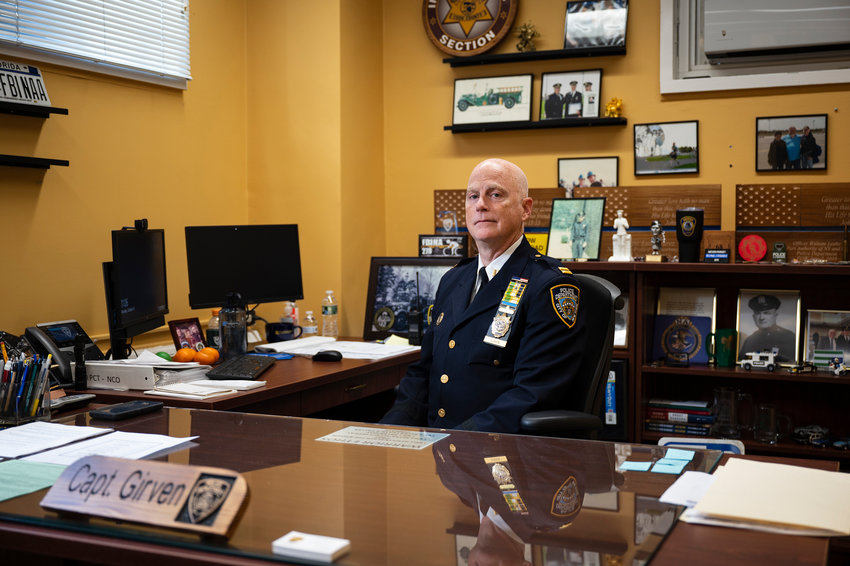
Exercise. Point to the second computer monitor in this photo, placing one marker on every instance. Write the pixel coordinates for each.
(260, 262)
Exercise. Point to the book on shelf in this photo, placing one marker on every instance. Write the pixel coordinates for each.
(674, 416)
(677, 428)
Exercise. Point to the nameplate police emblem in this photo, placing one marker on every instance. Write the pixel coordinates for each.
(200, 499)
(467, 27)
(567, 499)
(565, 302)
(500, 328)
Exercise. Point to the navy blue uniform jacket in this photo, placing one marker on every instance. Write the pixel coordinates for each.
(463, 382)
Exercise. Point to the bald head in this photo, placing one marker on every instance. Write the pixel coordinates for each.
(497, 205)
(510, 172)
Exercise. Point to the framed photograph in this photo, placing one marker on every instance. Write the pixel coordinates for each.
(492, 99)
(587, 172)
(398, 285)
(595, 24)
(575, 230)
(827, 331)
(688, 301)
(441, 245)
(768, 320)
(570, 94)
(187, 333)
(791, 143)
(668, 147)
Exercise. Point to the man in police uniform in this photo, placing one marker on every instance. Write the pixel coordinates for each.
(512, 348)
(768, 336)
(554, 106)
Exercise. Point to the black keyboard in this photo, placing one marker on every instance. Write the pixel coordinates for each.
(246, 366)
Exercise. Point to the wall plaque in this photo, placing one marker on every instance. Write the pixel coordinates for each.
(469, 27)
(441, 245)
(188, 498)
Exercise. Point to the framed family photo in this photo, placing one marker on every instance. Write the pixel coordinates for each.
(575, 229)
(768, 320)
(587, 172)
(187, 333)
(791, 143)
(398, 285)
(596, 23)
(666, 147)
(570, 94)
(492, 99)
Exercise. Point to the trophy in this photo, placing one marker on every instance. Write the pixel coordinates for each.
(656, 241)
(689, 222)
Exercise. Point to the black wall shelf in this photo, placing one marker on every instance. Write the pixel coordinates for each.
(30, 110)
(494, 58)
(539, 125)
(31, 162)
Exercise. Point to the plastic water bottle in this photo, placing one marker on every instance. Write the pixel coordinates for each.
(213, 330)
(234, 327)
(330, 314)
(309, 325)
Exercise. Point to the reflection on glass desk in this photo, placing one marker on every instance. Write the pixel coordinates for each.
(539, 499)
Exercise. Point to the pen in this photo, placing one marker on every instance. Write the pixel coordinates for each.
(21, 388)
(35, 374)
(40, 389)
(4, 385)
(5, 354)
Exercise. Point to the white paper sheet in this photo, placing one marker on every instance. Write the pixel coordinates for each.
(39, 435)
(119, 444)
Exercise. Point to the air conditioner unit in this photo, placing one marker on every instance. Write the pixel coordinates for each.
(750, 29)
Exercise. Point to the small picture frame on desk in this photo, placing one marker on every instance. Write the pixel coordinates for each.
(187, 333)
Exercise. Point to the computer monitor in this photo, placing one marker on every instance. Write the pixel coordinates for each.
(260, 262)
(135, 285)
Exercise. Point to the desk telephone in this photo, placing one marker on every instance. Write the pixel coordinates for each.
(57, 338)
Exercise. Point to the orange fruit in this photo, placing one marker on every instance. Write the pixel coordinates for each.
(210, 351)
(206, 358)
(184, 355)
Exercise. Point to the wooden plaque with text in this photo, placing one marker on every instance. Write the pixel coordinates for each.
(188, 498)
(809, 218)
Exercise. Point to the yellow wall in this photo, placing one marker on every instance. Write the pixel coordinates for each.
(329, 114)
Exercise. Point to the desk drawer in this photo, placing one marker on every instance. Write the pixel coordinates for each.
(347, 390)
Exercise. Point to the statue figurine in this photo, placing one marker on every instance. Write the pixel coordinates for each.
(656, 241)
(621, 240)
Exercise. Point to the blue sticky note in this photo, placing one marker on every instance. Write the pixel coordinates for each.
(628, 466)
(678, 454)
(666, 466)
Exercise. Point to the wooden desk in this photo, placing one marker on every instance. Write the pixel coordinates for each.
(401, 506)
(296, 387)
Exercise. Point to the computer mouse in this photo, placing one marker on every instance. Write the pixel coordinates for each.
(327, 356)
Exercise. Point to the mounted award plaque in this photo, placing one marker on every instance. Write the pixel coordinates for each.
(188, 498)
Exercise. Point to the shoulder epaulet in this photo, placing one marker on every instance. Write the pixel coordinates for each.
(552, 263)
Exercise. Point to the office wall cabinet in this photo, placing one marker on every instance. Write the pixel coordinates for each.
(805, 398)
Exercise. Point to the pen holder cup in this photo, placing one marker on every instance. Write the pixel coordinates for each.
(26, 407)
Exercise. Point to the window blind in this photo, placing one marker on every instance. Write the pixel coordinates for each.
(146, 36)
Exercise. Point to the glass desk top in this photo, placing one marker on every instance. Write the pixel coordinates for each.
(466, 495)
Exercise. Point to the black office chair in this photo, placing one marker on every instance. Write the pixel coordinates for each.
(582, 407)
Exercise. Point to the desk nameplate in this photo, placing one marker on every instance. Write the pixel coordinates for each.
(189, 498)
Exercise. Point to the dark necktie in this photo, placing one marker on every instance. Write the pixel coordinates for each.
(482, 276)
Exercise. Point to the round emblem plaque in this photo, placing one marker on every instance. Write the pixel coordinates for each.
(752, 248)
(467, 27)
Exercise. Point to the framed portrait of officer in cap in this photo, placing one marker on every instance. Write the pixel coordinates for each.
(769, 320)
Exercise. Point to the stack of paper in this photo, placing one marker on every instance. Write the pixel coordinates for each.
(776, 498)
(352, 350)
